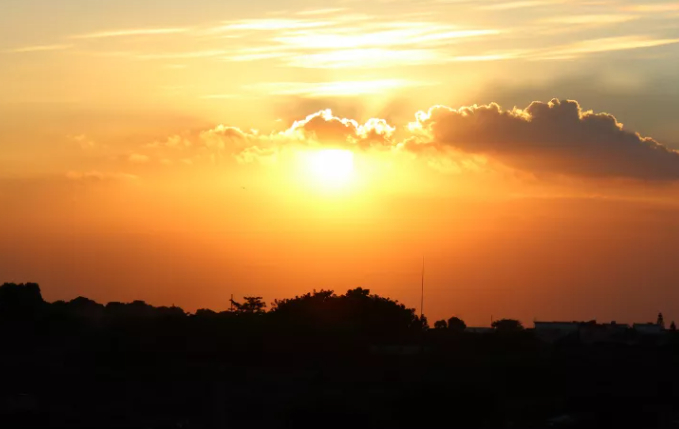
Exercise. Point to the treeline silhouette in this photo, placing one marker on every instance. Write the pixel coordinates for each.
(315, 360)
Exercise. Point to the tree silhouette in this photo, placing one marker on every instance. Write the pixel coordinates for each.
(136, 365)
(21, 301)
(507, 325)
(252, 305)
(456, 324)
(421, 323)
(661, 320)
(357, 312)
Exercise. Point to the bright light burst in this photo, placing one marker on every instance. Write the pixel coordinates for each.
(331, 167)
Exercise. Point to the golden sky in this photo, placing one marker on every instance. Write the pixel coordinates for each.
(182, 151)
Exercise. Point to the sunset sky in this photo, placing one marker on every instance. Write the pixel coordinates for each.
(182, 151)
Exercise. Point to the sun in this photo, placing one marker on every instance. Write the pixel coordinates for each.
(331, 167)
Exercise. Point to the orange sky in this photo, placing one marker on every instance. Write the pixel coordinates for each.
(181, 154)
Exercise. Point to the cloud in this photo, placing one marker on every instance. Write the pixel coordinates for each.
(256, 154)
(395, 34)
(137, 158)
(131, 32)
(256, 54)
(334, 88)
(320, 128)
(268, 25)
(246, 146)
(556, 138)
(182, 55)
(520, 4)
(489, 56)
(221, 97)
(590, 19)
(652, 7)
(224, 133)
(83, 141)
(350, 42)
(99, 176)
(324, 128)
(569, 51)
(315, 12)
(367, 58)
(549, 138)
(602, 45)
(37, 48)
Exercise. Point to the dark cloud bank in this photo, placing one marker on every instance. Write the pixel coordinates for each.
(556, 137)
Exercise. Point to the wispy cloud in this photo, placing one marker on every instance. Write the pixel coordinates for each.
(37, 48)
(363, 44)
(257, 53)
(426, 33)
(316, 12)
(652, 7)
(137, 158)
(221, 97)
(268, 25)
(591, 19)
(334, 38)
(102, 53)
(497, 56)
(99, 176)
(83, 141)
(334, 89)
(367, 58)
(182, 55)
(602, 45)
(131, 32)
(520, 4)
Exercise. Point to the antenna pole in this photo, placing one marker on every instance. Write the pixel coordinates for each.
(422, 293)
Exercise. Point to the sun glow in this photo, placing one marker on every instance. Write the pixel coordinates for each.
(331, 167)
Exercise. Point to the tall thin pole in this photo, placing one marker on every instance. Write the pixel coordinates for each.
(422, 293)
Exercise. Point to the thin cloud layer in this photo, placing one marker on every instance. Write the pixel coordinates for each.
(98, 176)
(339, 38)
(130, 32)
(552, 138)
(333, 89)
(608, 44)
(38, 48)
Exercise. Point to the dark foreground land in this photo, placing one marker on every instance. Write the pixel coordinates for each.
(317, 361)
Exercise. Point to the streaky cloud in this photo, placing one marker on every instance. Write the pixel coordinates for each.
(95, 175)
(607, 44)
(131, 32)
(334, 88)
(315, 12)
(519, 4)
(37, 48)
(181, 55)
